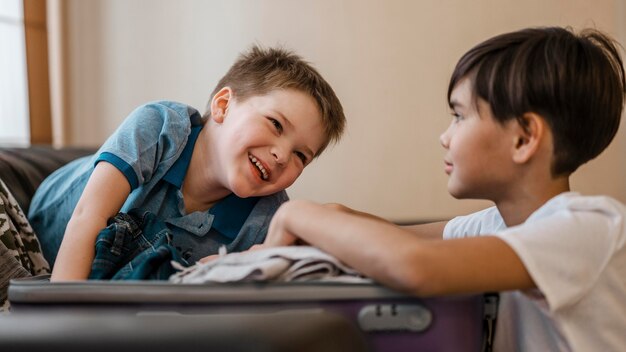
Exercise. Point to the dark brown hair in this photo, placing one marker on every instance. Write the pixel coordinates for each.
(259, 71)
(574, 81)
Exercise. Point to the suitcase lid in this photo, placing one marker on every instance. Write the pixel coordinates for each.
(39, 289)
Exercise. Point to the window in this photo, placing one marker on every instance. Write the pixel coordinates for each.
(25, 115)
(14, 115)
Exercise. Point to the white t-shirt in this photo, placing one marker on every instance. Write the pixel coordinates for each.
(574, 249)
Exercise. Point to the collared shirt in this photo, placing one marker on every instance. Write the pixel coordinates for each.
(153, 148)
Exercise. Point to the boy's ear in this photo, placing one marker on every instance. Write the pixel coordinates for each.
(529, 137)
(219, 104)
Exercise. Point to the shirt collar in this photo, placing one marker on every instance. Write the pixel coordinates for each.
(176, 174)
(231, 213)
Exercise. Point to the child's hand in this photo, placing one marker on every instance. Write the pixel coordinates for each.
(209, 258)
(278, 235)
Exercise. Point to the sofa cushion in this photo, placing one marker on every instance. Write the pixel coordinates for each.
(23, 169)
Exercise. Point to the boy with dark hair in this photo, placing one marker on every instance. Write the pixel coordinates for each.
(215, 179)
(529, 108)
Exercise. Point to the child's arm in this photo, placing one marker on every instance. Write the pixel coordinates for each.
(105, 193)
(433, 230)
(394, 256)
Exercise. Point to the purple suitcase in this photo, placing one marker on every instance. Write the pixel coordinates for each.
(390, 321)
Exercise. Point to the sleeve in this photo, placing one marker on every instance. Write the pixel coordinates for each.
(567, 251)
(482, 222)
(151, 134)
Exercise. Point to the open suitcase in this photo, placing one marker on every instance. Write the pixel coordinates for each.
(387, 320)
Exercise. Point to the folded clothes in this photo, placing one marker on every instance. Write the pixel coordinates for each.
(277, 264)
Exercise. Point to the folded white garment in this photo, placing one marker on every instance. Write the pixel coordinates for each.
(278, 264)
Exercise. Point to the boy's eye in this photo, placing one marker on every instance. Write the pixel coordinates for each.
(457, 117)
(301, 156)
(276, 124)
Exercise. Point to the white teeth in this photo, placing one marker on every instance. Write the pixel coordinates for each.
(258, 164)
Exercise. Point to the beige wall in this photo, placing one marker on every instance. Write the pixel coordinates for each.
(389, 61)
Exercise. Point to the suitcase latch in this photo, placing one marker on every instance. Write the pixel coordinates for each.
(394, 317)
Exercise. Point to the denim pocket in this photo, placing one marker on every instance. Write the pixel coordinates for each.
(124, 239)
(154, 263)
(126, 243)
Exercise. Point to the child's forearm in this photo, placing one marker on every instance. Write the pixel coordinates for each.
(396, 257)
(345, 209)
(77, 250)
(103, 196)
(432, 230)
(376, 248)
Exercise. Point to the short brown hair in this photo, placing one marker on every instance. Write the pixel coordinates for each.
(575, 81)
(259, 71)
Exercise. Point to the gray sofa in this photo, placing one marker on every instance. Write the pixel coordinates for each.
(23, 169)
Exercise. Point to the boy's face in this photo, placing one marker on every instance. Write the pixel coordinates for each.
(478, 148)
(264, 142)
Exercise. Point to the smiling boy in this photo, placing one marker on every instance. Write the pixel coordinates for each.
(254, 162)
(215, 179)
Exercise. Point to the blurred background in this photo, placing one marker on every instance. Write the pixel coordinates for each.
(71, 70)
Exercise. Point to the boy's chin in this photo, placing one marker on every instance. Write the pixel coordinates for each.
(464, 194)
(243, 194)
(456, 195)
(456, 192)
(243, 189)
(451, 189)
(247, 193)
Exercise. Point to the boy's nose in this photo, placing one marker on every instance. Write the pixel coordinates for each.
(280, 156)
(444, 139)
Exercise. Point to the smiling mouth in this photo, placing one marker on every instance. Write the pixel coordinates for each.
(257, 163)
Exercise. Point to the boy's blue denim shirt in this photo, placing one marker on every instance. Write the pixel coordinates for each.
(153, 148)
